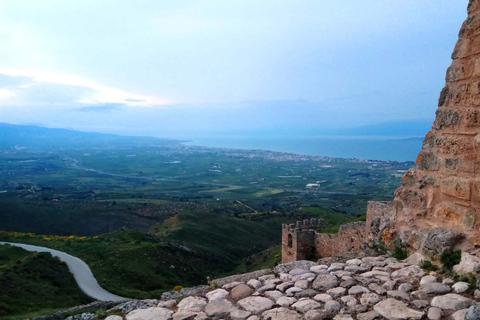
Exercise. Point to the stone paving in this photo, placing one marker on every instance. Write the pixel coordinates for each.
(364, 289)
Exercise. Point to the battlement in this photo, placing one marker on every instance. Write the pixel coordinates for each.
(303, 225)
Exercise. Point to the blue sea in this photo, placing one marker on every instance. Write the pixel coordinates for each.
(372, 148)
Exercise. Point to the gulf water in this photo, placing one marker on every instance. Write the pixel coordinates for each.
(372, 148)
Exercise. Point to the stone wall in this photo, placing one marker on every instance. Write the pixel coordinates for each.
(301, 242)
(350, 238)
(442, 191)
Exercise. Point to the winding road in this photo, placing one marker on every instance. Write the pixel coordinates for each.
(81, 272)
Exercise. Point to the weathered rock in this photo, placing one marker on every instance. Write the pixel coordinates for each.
(255, 304)
(240, 291)
(473, 313)
(415, 259)
(128, 306)
(194, 304)
(459, 315)
(368, 299)
(399, 295)
(323, 282)
(396, 310)
(332, 306)
(468, 264)
(229, 286)
(319, 269)
(150, 313)
(460, 287)
(286, 301)
(322, 297)
(219, 308)
(112, 317)
(217, 294)
(308, 293)
(318, 315)
(377, 288)
(303, 284)
(337, 292)
(301, 264)
(266, 287)
(254, 283)
(284, 286)
(355, 262)
(238, 314)
(357, 290)
(281, 314)
(342, 317)
(418, 295)
(428, 279)
(420, 304)
(305, 305)
(167, 304)
(296, 272)
(409, 272)
(349, 301)
(405, 287)
(452, 301)
(370, 315)
(448, 281)
(266, 277)
(184, 315)
(435, 287)
(82, 316)
(293, 290)
(273, 295)
(439, 240)
(434, 313)
(336, 266)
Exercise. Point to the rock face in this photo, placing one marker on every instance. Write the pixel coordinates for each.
(437, 206)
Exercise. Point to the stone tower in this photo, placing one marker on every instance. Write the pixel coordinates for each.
(439, 199)
(298, 240)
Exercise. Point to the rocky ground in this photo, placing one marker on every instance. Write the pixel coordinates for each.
(364, 289)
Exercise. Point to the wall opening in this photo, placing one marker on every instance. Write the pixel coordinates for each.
(290, 241)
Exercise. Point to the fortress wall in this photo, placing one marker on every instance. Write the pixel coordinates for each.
(350, 238)
(443, 188)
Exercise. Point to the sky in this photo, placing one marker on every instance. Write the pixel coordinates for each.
(183, 69)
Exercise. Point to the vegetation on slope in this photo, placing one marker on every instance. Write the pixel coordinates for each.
(32, 281)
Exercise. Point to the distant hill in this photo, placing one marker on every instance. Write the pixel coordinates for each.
(394, 128)
(30, 136)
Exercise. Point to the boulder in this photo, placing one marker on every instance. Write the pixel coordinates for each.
(396, 310)
(439, 240)
(468, 264)
(452, 301)
(240, 291)
(255, 304)
(435, 288)
(281, 314)
(460, 287)
(194, 304)
(323, 282)
(473, 313)
(219, 308)
(150, 313)
(305, 305)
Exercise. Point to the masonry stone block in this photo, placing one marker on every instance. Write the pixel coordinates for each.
(456, 187)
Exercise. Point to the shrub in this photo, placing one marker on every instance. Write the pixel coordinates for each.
(450, 258)
(428, 265)
(176, 288)
(399, 253)
(100, 314)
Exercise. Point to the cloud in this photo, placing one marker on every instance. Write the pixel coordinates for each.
(53, 87)
(105, 108)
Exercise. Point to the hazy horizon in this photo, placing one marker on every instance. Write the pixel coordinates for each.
(189, 69)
